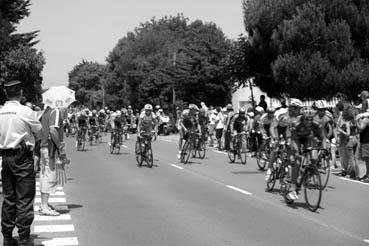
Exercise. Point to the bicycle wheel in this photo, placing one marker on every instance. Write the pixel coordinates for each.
(186, 152)
(149, 157)
(202, 150)
(271, 182)
(325, 171)
(231, 152)
(138, 153)
(285, 183)
(243, 155)
(112, 145)
(312, 188)
(260, 159)
(79, 144)
(117, 148)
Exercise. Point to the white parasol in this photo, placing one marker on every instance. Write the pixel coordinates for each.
(58, 97)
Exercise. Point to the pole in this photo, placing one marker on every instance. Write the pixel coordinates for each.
(252, 96)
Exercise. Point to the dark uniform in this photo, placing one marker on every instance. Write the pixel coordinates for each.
(18, 127)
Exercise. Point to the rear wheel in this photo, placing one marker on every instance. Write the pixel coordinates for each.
(312, 189)
(261, 159)
(232, 152)
(112, 145)
(202, 150)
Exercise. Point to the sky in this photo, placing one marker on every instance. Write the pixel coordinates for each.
(72, 30)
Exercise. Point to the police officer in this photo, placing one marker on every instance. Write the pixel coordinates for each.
(19, 127)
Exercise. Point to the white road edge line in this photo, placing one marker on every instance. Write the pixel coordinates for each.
(366, 240)
(220, 152)
(124, 146)
(239, 190)
(167, 140)
(181, 168)
(354, 181)
(63, 241)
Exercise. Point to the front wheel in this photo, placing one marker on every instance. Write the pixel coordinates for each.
(202, 150)
(112, 145)
(149, 157)
(324, 171)
(271, 182)
(312, 189)
(138, 153)
(186, 152)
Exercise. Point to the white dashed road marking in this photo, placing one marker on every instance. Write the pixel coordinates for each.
(181, 168)
(366, 240)
(53, 228)
(51, 218)
(58, 193)
(354, 181)
(239, 190)
(66, 241)
(52, 200)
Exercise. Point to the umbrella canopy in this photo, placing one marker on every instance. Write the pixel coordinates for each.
(58, 97)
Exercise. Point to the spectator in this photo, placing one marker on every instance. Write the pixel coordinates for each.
(283, 104)
(346, 146)
(363, 127)
(227, 127)
(262, 103)
(51, 144)
(211, 116)
(19, 128)
(364, 101)
(219, 125)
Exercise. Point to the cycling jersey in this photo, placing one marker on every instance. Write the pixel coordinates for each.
(264, 124)
(82, 121)
(239, 123)
(92, 121)
(189, 121)
(147, 123)
(101, 119)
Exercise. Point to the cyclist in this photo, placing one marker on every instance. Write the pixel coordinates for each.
(266, 121)
(203, 122)
(92, 120)
(116, 123)
(284, 119)
(305, 133)
(239, 124)
(147, 123)
(82, 125)
(256, 135)
(189, 122)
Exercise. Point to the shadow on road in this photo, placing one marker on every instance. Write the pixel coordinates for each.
(74, 206)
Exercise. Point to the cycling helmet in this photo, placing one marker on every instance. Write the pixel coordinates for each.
(193, 106)
(281, 113)
(90, 114)
(242, 110)
(308, 112)
(320, 104)
(94, 111)
(295, 102)
(149, 107)
(102, 111)
(229, 107)
(259, 109)
(118, 112)
(271, 110)
(129, 107)
(250, 114)
(157, 107)
(329, 115)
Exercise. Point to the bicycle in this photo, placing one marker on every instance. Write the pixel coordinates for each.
(309, 178)
(237, 148)
(279, 164)
(81, 139)
(99, 133)
(323, 164)
(143, 149)
(193, 145)
(115, 142)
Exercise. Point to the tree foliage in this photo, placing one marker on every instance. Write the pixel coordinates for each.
(18, 60)
(308, 49)
(166, 55)
(87, 79)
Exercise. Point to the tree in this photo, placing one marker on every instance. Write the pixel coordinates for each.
(87, 79)
(18, 60)
(308, 48)
(170, 55)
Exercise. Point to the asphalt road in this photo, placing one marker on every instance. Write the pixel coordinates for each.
(109, 200)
